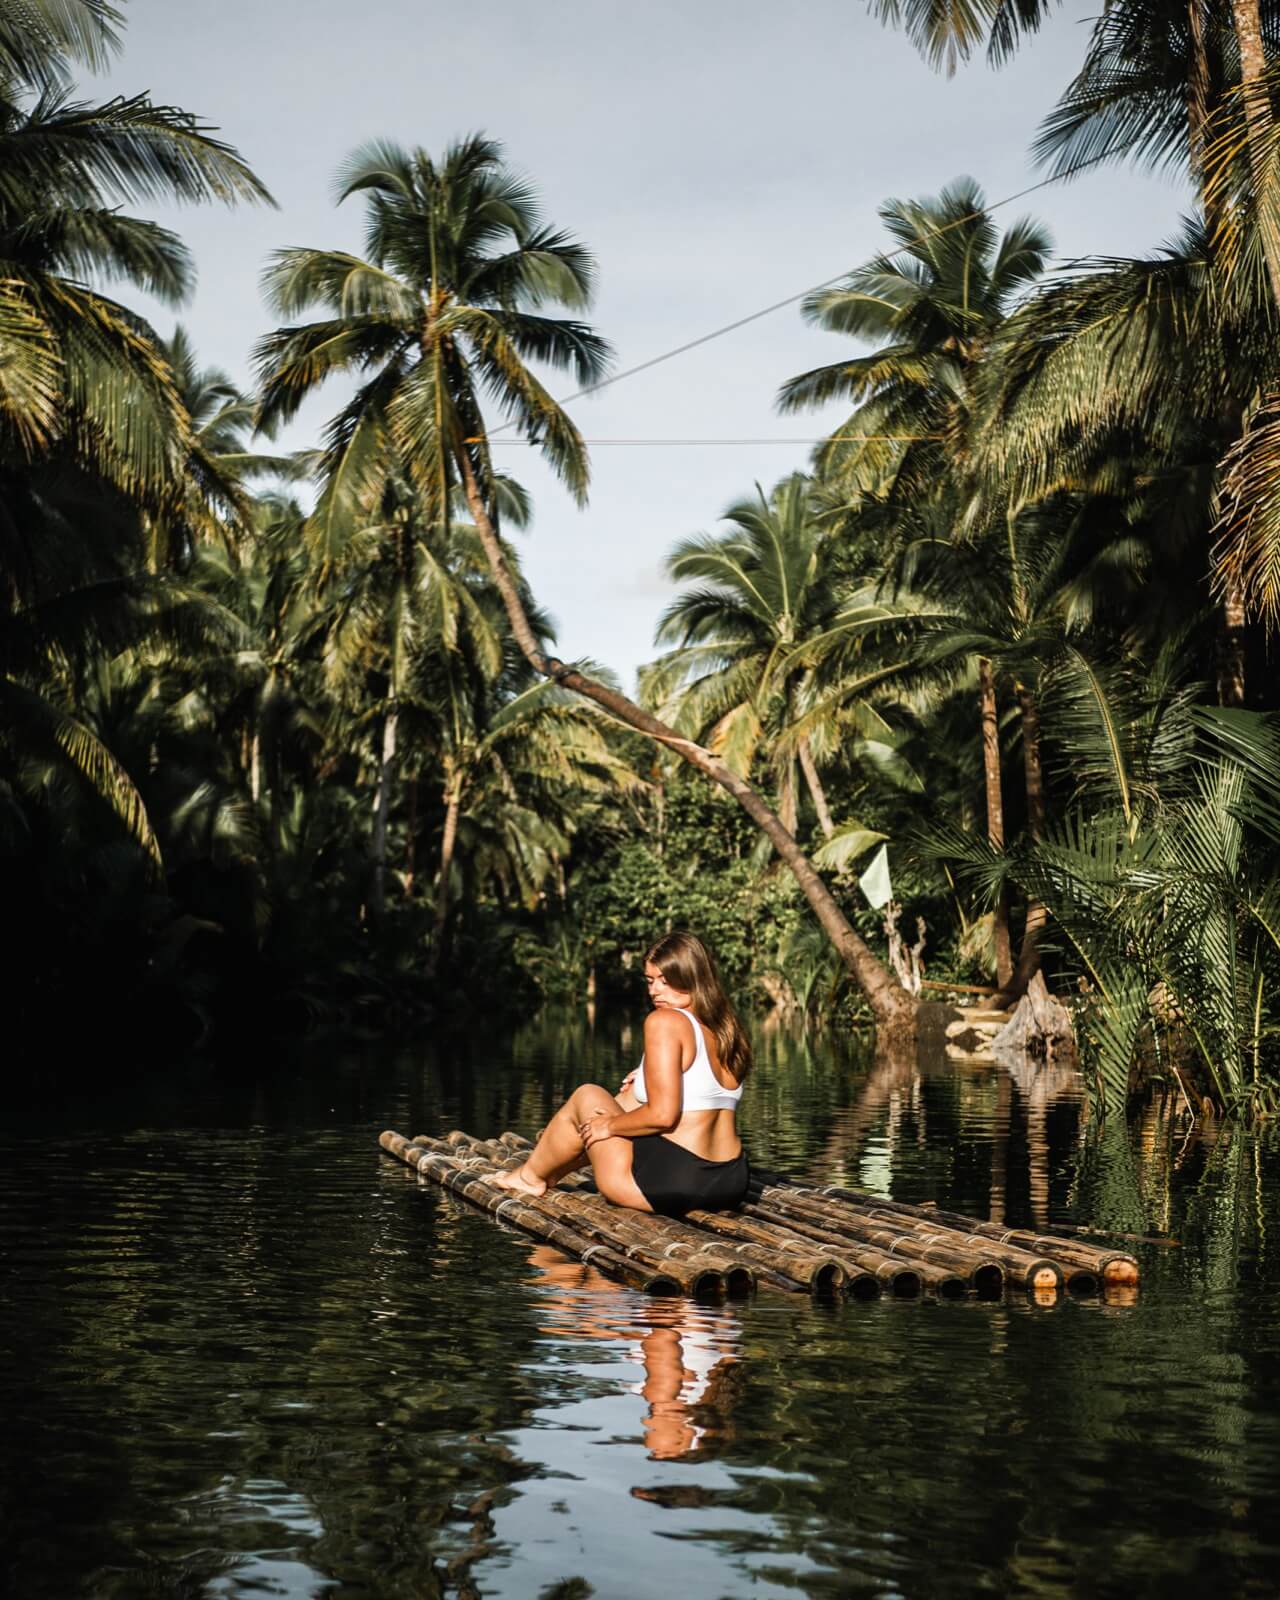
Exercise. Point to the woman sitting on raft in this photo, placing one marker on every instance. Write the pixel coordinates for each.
(668, 1142)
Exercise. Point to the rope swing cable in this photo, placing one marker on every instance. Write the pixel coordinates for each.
(781, 305)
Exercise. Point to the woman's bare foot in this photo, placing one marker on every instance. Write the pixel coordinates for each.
(521, 1181)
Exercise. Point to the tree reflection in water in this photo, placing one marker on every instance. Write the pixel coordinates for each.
(912, 1123)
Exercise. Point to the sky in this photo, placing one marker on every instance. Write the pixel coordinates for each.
(715, 155)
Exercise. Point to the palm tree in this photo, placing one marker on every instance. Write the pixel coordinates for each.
(39, 38)
(409, 608)
(67, 170)
(516, 770)
(1136, 377)
(1260, 121)
(933, 309)
(1189, 86)
(90, 421)
(1164, 889)
(930, 309)
(1019, 601)
(449, 302)
(1156, 75)
(734, 678)
(269, 689)
(222, 463)
(1151, 82)
(946, 32)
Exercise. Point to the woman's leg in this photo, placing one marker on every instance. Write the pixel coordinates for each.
(559, 1150)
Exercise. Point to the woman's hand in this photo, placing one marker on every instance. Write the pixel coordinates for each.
(626, 1083)
(598, 1126)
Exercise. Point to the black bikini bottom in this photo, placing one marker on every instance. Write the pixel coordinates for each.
(673, 1180)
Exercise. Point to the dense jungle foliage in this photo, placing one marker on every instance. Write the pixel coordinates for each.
(271, 748)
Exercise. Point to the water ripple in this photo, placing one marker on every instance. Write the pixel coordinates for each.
(247, 1356)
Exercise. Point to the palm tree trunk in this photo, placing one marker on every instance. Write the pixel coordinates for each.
(381, 807)
(1037, 915)
(892, 1007)
(1231, 671)
(1032, 763)
(411, 839)
(1203, 96)
(809, 767)
(448, 841)
(1198, 102)
(988, 712)
(255, 765)
(1258, 120)
(787, 796)
(1231, 624)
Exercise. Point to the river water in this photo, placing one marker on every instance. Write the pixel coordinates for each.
(245, 1354)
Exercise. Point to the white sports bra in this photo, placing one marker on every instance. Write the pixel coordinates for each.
(703, 1091)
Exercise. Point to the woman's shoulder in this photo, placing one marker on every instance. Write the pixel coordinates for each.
(665, 1023)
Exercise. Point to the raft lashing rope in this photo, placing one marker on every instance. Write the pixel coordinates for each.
(822, 1241)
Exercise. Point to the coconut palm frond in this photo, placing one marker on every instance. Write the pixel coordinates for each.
(845, 846)
(1247, 553)
(38, 722)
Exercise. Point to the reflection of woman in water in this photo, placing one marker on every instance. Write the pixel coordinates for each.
(668, 1141)
(682, 1363)
(688, 1354)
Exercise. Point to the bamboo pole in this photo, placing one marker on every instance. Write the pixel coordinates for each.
(454, 1176)
(698, 1277)
(1113, 1266)
(783, 1258)
(1076, 1261)
(942, 1248)
(658, 1241)
(685, 1254)
(820, 1240)
(635, 1275)
(940, 1272)
(774, 1257)
(904, 1278)
(860, 1275)
(777, 1256)
(1023, 1268)
(686, 1238)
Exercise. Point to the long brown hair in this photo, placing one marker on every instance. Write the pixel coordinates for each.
(686, 963)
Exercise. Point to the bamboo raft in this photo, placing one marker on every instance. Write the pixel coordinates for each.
(820, 1241)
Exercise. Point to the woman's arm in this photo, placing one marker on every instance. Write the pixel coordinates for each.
(666, 1034)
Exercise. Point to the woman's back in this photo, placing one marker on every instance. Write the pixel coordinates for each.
(708, 1122)
(703, 1089)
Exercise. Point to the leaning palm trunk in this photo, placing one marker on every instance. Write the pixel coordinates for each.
(381, 807)
(1258, 120)
(995, 809)
(893, 1008)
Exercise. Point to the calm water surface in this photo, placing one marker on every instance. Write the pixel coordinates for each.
(244, 1354)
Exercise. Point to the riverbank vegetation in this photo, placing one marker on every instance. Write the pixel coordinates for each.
(285, 732)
